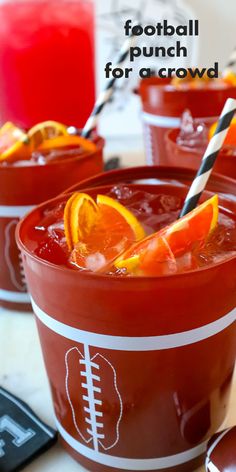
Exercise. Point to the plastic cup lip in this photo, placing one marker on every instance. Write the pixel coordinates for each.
(99, 143)
(171, 136)
(165, 85)
(115, 278)
(159, 98)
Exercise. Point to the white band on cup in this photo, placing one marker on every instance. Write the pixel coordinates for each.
(161, 121)
(149, 145)
(15, 297)
(14, 211)
(126, 343)
(169, 121)
(131, 464)
(209, 464)
(211, 467)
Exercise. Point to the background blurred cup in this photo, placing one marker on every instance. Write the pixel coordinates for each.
(163, 106)
(22, 188)
(183, 156)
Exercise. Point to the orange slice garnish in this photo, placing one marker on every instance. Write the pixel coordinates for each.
(230, 78)
(230, 139)
(44, 131)
(96, 232)
(80, 216)
(50, 135)
(67, 141)
(13, 143)
(111, 210)
(152, 255)
(192, 82)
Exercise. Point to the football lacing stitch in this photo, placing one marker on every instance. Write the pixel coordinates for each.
(22, 272)
(92, 414)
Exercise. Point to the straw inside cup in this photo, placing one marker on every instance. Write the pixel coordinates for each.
(209, 157)
(106, 94)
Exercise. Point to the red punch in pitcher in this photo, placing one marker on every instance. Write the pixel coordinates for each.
(46, 61)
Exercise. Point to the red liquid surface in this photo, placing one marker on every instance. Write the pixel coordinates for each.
(46, 61)
(154, 211)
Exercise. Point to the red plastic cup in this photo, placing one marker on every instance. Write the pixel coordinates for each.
(21, 189)
(163, 106)
(140, 369)
(178, 155)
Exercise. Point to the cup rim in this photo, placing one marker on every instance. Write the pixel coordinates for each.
(99, 143)
(153, 82)
(98, 276)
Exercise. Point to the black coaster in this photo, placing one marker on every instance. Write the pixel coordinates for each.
(23, 436)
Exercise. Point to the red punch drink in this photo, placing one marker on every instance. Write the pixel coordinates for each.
(29, 177)
(140, 367)
(164, 102)
(46, 61)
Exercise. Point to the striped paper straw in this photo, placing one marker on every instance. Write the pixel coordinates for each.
(208, 160)
(106, 94)
(231, 64)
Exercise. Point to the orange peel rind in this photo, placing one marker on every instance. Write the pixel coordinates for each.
(13, 143)
(101, 229)
(230, 139)
(80, 215)
(147, 257)
(230, 78)
(64, 141)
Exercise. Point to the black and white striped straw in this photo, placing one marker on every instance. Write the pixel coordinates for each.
(106, 94)
(231, 64)
(208, 160)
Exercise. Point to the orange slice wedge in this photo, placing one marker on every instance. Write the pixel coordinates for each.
(13, 143)
(49, 135)
(152, 255)
(112, 212)
(80, 216)
(44, 131)
(97, 232)
(192, 82)
(230, 139)
(67, 141)
(230, 78)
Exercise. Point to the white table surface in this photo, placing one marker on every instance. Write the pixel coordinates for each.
(22, 372)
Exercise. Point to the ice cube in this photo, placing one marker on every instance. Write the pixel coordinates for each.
(187, 125)
(193, 133)
(49, 216)
(96, 261)
(121, 192)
